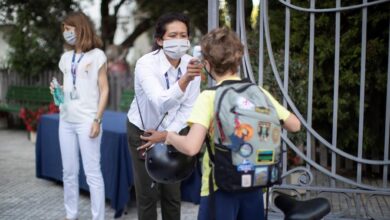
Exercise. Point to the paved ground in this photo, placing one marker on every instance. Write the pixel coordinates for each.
(23, 196)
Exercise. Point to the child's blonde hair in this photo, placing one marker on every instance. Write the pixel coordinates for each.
(223, 50)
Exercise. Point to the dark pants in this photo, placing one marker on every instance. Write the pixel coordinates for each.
(233, 206)
(147, 196)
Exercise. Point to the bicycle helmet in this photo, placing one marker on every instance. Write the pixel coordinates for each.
(165, 164)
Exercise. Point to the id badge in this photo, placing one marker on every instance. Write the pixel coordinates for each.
(74, 94)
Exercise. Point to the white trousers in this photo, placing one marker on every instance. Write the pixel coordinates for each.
(74, 138)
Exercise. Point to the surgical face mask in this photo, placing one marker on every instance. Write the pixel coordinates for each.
(70, 37)
(176, 48)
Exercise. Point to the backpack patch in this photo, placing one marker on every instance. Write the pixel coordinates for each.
(246, 138)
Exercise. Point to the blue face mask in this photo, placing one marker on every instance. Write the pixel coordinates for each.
(70, 37)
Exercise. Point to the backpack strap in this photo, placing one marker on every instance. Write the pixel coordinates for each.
(266, 204)
(212, 210)
(211, 155)
(228, 82)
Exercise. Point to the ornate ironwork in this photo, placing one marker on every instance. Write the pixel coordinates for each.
(354, 193)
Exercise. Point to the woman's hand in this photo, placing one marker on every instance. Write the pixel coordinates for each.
(95, 130)
(194, 69)
(51, 87)
(155, 137)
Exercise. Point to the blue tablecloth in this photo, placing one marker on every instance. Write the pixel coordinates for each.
(115, 160)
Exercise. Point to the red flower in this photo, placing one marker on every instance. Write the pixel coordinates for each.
(31, 118)
(22, 113)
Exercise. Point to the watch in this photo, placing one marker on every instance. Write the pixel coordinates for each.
(97, 120)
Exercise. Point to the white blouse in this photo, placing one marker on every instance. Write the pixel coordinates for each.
(155, 97)
(84, 108)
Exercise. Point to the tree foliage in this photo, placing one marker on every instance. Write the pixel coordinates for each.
(35, 38)
(349, 72)
(349, 68)
(150, 10)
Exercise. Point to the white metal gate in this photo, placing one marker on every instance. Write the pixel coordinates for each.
(350, 197)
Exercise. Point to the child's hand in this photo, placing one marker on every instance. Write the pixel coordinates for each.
(170, 134)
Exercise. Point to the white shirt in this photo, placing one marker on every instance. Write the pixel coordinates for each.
(85, 108)
(155, 99)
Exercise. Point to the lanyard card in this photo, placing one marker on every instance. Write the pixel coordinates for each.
(74, 94)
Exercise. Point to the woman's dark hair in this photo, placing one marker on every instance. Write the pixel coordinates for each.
(161, 26)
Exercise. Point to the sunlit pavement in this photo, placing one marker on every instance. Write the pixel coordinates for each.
(23, 196)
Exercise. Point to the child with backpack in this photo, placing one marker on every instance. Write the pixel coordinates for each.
(241, 124)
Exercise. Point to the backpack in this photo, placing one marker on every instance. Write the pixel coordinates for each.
(246, 138)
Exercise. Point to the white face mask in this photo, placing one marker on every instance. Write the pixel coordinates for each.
(70, 37)
(176, 48)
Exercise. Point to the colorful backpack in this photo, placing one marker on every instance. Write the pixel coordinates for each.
(246, 138)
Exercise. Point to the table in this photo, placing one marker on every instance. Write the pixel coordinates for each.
(115, 160)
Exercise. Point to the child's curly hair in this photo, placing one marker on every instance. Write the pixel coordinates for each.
(223, 50)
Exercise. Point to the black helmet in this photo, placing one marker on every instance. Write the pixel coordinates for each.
(165, 164)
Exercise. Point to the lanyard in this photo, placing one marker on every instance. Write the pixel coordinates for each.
(73, 68)
(177, 78)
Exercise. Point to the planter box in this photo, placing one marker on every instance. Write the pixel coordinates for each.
(32, 136)
(3, 123)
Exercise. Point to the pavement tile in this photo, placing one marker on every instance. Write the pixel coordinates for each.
(23, 196)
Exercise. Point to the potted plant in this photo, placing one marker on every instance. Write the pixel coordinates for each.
(31, 118)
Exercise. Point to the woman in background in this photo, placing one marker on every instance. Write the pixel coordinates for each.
(85, 97)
